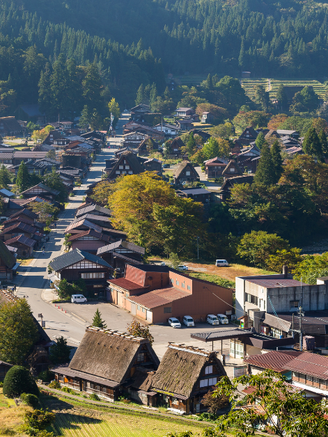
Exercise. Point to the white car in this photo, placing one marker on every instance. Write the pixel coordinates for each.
(223, 319)
(174, 322)
(78, 298)
(188, 321)
(182, 267)
(221, 263)
(212, 319)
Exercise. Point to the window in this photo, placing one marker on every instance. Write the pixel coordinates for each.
(212, 381)
(141, 357)
(143, 309)
(98, 286)
(251, 299)
(176, 282)
(139, 308)
(167, 310)
(118, 172)
(187, 173)
(121, 167)
(208, 370)
(294, 304)
(188, 287)
(232, 170)
(130, 172)
(203, 383)
(93, 275)
(127, 167)
(183, 284)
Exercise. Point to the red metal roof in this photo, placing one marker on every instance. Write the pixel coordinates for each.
(309, 364)
(126, 284)
(157, 298)
(275, 360)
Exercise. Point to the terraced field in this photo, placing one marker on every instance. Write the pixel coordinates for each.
(272, 85)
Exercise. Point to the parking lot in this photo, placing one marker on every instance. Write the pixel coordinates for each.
(118, 319)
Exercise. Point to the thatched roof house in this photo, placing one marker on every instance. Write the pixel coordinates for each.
(110, 363)
(185, 375)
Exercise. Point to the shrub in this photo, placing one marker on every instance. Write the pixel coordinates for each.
(94, 397)
(30, 400)
(17, 381)
(67, 390)
(38, 420)
(55, 384)
(46, 376)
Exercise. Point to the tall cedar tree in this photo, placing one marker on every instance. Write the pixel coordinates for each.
(312, 144)
(23, 178)
(282, 98)
(60, 351)
(276, 160)
(97, 321)
(324, 143)
(260, 140)
(265, 173)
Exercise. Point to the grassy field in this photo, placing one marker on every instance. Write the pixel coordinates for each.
(272, 85)
(77, 419)
(11, 417)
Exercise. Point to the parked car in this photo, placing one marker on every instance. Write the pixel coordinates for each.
(223, 319)
(188, 321)
(221, 263)
(166, 166)
(182, 267)
(212, 319)
(78, 298)
(174, 322)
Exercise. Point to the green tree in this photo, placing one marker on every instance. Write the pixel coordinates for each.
(140, 95)
(38, 420)
(216, 147)
(282, 98)
(18, 380)
(311, 268)
(138, 329)
(60, 351)
(265, 173)
(22, 179)
(4, 177)
(260, 140)
(114, 108)
(18, 331)
(290, 258)
(92, 89)
(262, 97)
(270, 401)
(323, 141)
(276, 160)
(97, 321)
(47, 212)
(85, 118)
(52, 180)
(256, 247)
(311, 144)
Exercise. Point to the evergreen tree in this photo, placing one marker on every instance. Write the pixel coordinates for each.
(324, 143)
(4, 177)
(59, 88)
(23, 178)
(97, 321)
(265, 173)
(60, 351)
(312, 144)
(276, 159)
(92, 89)
(282, 98)
(260, 140)
(262, 97)
(53, 180)
(85, 118)
(45, 91)
(191, 144)
(140, 95)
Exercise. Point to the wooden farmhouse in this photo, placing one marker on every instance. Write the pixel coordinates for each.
(214, 167)
(127, 164)
(79, 264)
(41, 190)
(111, 364)
(185, 173)
(121, 252)
(184, 376)
(7, 262)
(88, 240)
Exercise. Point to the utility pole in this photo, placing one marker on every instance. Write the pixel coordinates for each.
(299, 331)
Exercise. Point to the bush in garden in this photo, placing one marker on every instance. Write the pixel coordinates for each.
(18, 380)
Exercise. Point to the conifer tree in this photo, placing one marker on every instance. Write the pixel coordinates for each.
(265, 173)
(23, 178)
(324, 143)
(140, 95)
(97, 321)
(259, 140)
(276, 160)
(282, 98)
(312, 144)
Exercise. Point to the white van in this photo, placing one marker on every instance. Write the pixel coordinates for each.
(221, 263)
(212, 319)
(78, 298)
(223, 319)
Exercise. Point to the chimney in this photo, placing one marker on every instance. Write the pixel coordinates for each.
(285, 271)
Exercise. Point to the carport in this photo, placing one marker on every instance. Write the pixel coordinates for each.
(207, 337)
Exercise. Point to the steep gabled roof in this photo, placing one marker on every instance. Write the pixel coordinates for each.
(180, 369)
(232, 164)
(133, 162)
(94, 209)
(109, 354)
(121, 243)
(6, 256)
(43, 187)
(181, 168)
(73, 257)
(90, 232)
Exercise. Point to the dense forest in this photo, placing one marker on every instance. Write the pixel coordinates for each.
(134, 43)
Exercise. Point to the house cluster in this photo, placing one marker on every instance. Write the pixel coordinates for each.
(113, 364)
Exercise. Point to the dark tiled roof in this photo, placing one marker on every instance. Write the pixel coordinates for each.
(86, 223)
(121, 243)
(94, 209)
(6, 256)
(22, 240)
(43, 187)
(157, 298)
(275, 360)
(21, 226)
(73, 257)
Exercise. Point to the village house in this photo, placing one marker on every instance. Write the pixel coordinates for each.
(197, 194)
(184, 112)
(127, 164)
(24, 245)
(207, 117)
(89, 240)
(229, 183)
(79, 264)
(146, 146)
(41, 190)
(175, 148)
(120, 253)
(111, 364)
(185, 173)
(93, 209)
(8, 265)
(155, 293)
(169, 130)
(231, 170)
(184, 376)
(248, 135)
(9, 126)
(214, 167)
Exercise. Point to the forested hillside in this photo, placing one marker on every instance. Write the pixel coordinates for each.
(134, 43)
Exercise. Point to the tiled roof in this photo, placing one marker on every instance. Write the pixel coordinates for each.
(126, 284)
(21, 239)
(86, 223)
(21, 226)
(130, 246)
(157, 298)
(93, 209)
(274, 360)
(309, 364)
(73, 257)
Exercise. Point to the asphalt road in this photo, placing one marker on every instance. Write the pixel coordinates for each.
(71, 319)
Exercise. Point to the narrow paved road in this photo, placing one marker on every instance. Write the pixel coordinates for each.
(32, 280)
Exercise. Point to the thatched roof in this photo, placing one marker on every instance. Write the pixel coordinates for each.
(109, 354)
(180, 369)
(6, 256)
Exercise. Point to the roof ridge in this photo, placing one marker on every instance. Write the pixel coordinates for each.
(113, 332)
